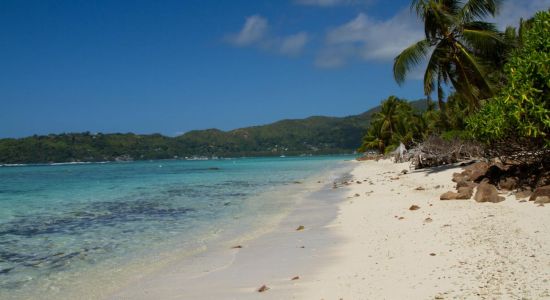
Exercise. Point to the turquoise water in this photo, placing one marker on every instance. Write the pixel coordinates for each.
(61, 225)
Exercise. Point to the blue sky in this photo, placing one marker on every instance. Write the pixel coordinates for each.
(173, 66)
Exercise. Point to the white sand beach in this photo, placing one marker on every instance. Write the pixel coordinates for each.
(362, 241)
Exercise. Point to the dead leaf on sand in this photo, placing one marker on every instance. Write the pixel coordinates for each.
(263, 288)
(295, 278)
(428, 220)
(237, 247)
(301, 227)
(414, 207)
(432, 254)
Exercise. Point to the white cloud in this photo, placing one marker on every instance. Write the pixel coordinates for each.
(366, 38)
(335, 56)
(512, 10)
(254, 30)
(255, 33)
(293, 44)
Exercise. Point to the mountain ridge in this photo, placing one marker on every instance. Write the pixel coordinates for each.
(311, 135)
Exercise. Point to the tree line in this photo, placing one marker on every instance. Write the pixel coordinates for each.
(497, 82)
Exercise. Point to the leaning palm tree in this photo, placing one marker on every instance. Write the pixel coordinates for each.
(456, 44)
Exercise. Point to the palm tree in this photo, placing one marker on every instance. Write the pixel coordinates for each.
(396, 122)
(456, 45)
(389, 114)
(374, 138)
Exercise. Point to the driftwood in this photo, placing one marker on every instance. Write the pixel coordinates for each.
(435, 151)
(526, 159)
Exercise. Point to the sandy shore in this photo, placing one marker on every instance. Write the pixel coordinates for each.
(445, 250)
(361, 241)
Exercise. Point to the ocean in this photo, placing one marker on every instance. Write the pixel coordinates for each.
(86, 229)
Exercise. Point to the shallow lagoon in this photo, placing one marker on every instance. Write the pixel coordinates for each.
(81, 226)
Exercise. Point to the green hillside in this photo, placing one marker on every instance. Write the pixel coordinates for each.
(313, 135)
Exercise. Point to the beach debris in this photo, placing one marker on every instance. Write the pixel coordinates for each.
(420, 188)
(394, 178)
(400, 218)
(356, 195)
(428, 220)
(295, 278)
(301, 227)
(358, 182)
(404, 171)
(263, 288)
(437, 186)
(432, 254)
(487, 192)
(414, 207)
(303, 247)
(237, 247)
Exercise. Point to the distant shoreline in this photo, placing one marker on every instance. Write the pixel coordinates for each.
(167, 159)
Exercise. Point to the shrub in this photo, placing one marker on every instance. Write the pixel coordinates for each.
(521, 111)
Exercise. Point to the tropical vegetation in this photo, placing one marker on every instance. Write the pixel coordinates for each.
(522, 108)
(457, 43)
(497, 82)
(396, 122)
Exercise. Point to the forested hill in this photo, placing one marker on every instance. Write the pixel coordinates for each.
(313, 135)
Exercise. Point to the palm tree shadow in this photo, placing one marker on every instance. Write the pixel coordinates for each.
(438, 169)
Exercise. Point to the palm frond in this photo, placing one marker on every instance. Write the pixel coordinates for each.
(433, 68)
(483, 41)
(479, 9)
(409, 58)
(471, 62)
